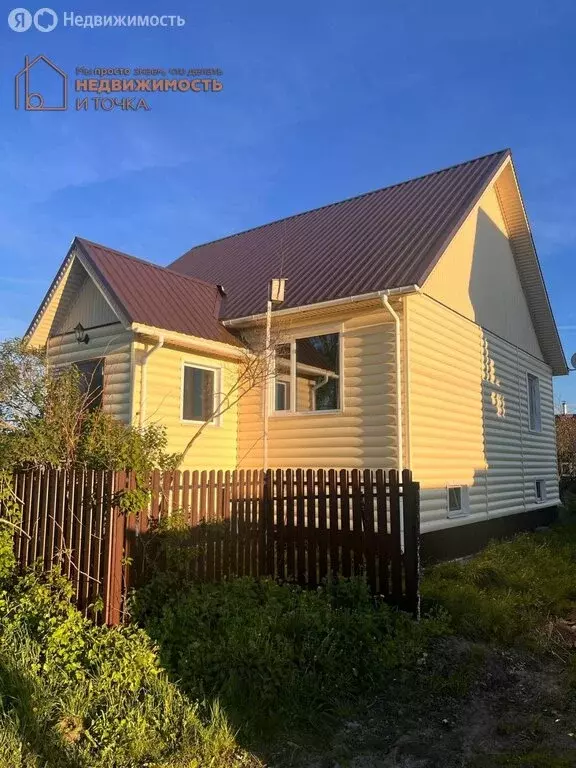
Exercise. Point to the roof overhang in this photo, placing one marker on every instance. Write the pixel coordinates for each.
(195, 343)
(529, 269)
(33, 336)
(374, 297)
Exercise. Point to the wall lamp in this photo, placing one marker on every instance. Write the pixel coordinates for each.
(81, 335)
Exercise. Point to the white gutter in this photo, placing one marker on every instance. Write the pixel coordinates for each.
(203, 346)
(143, 379)
(398, 349)
(323, 305)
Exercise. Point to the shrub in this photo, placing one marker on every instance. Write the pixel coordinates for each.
(275, 654)
(74, 694)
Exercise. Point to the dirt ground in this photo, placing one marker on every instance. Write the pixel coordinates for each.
(466, 705)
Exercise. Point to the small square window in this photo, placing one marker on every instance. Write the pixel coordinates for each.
(540, 489)
(455, 499)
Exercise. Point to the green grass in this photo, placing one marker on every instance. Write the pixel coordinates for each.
(73, 695)
(276, 656)
(506, 593)
(271, 660)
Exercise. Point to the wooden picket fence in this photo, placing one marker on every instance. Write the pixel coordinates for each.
(300, 525)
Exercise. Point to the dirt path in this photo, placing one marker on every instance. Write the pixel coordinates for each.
(466, 706)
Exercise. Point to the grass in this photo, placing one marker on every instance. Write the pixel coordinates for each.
(78, 696)
(276, 656)
(271, 660)
(506, 593)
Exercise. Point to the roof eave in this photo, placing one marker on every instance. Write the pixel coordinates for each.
(374, 295)
(190, 342)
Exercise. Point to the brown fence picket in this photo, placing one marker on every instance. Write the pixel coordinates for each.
(383, 533)
(396, 535)
(300, 529)
(289, 527)
(335, 564)
(303, 525)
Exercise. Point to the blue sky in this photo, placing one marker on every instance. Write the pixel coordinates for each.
(321, 101)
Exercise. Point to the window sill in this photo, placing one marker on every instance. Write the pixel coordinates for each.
(459, 514)
(286, 414)
(192, 423)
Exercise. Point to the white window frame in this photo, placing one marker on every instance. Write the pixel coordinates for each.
(286, 383)
(543, 496)
(217, 420)
(537, 428)
(292, 411)
(464, 510)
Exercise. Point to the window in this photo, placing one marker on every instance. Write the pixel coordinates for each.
(198, 394)
(534, 403)
(457, 500)
(282, 372)
(91, 382)
(282, 396)
(308, 374)
(540, 488)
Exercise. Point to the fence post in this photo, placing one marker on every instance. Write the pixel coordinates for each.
(411, 512)
(115, 531)
(266, 533)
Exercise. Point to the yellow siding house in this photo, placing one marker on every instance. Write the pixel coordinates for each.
(415, 331)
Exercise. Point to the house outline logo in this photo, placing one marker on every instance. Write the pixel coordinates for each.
(34, 102)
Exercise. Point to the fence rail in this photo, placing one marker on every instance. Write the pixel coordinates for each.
(301, 525)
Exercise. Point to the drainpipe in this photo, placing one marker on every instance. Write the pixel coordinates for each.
(143, 380)
(267, 383)
(398, 348)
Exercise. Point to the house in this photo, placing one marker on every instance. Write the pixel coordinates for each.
(416, 332)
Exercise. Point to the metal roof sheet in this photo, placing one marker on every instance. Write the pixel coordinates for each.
(380, 240)
(158, 296)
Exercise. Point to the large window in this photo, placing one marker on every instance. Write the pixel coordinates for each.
(308, 374)
(91, 382)
(534, 403)
(198, 394)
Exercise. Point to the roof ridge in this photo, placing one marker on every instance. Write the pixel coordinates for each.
(145, 262)
(502, 152)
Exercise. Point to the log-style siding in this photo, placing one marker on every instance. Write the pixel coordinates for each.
(469, 421)
(216, 448)
(363, 433)
(110, 342)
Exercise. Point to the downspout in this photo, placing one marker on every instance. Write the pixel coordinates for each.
(398, 349)
(267, 383)
(143, 379)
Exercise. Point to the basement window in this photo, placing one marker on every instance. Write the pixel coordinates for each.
(457, 500)
(540, 489)
(198, 394)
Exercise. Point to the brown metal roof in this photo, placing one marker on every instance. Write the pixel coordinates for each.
(380, 240)
(158, 296)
